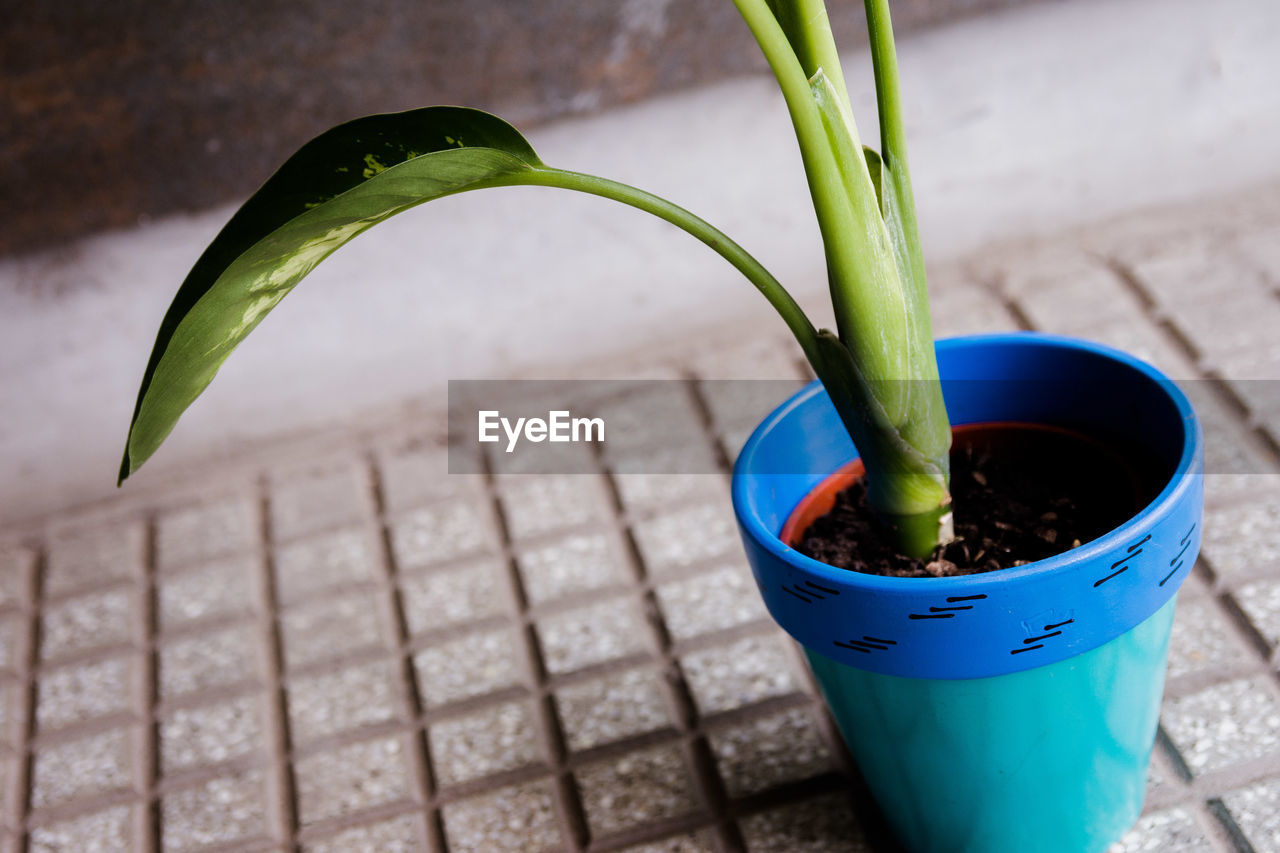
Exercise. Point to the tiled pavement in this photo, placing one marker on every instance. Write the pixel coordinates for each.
(349, 650)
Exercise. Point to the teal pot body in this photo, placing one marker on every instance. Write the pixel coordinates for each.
(1008, 712)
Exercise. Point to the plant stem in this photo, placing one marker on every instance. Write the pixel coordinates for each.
(741, 260)
(880, 372)
(893, 139)
(869, 309)
(808, 29)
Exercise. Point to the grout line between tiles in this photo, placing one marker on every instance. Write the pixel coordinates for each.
(24, 784)
(1225, 827)
(420, 754)
(570, 812)
(679, 699)
(1222, 389)
(277, 700)
(151, 752)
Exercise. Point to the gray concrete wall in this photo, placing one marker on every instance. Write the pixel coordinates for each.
(116, 113)
(1027, 121)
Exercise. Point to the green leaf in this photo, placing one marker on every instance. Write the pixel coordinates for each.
(873, 168)
(336, 186)
(906, 248)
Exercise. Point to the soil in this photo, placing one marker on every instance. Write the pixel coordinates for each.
(1020, 493)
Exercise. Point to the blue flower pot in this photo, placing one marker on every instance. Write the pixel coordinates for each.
(1009, 711)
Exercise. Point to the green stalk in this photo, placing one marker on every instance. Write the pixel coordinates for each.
(858, 285)
(893, 144)
(880, 371)
(929, 429)
(808, 29)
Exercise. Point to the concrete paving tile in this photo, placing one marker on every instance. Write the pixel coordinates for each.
(692, 842)
(1018, 270)
(822, 825)
(1170, 831)
(516, 819)
(589, 635)
(1222, 490)
(1238, 542)
(1246, 321)
(1258, 247)
(710, 601)
(12, 693)
(741, 673)
(1229, 448)
(319, 500)
(471, 665)
(1261, 603)
(412, 477)
(349, 779)
(399, 835)
(647, 416)
(213, 659)
(1193, 275)
(80, 692)
(1088, 296)
(324, 629)
(93, 556)
(1202, 640)
(636, 788)
(642, 491)
(743, 403)
(757, 357)
(681, 539)
(671, 453)
(1156, 778)
(228, 809)
(572, 564)
(8, 784)
(308, 566)
(732, 441)
(16, 567)
(1145, 341)
(537, 504)
(77, 769)
(210, 734)
(13, 640)
(608, 709)
(213, 590)
(441, 532)
(88, 621)
(769, 751)
(443, 598)
(1223, 725)
(1256, 810)
(483, 743)
(966, 309)
(107, 831)
(203, 532)
(1252, 372)
(333, 702)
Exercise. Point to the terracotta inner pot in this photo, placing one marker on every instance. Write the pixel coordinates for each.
(1128, 481)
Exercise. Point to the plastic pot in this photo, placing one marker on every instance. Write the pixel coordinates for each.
(1008, 711)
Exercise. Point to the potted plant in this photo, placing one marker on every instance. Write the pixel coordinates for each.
(1003, 710)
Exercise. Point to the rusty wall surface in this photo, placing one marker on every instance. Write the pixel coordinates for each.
(111, 114)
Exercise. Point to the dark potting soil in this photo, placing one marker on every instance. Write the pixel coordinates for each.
(1019, 494)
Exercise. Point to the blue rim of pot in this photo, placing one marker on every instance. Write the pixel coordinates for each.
(987, 624)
